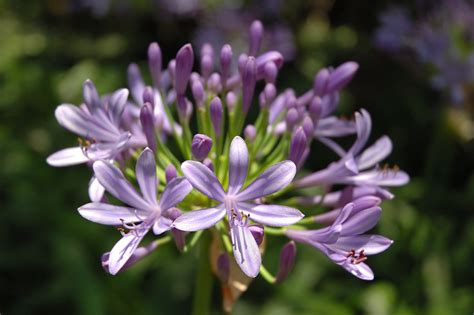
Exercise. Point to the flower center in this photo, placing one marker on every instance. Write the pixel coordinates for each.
(356, 258)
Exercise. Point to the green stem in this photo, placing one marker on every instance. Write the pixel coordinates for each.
(203, 285)
(267, 275)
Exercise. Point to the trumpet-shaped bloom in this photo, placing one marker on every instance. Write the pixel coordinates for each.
(238, 202)
(144, 211)
(344, 242)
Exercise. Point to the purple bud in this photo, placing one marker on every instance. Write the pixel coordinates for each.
(291, 101)
(206, 66)
(138, 254)
(291, 119)
(198, 92)
(172, 69)
(257, 233)
(231, 100)
(184, 67)
(182, 105)
(148, 96)
(178, 235)
(214, 83)
(316, 108)
(189, 110)
(270, 92)
(135, 82)
(170, 173)
(365, 202)
(208, 163)
(223, 267)
(242, 62)
(154, 63)
(248, 84)
(263, 59)
(90, 95)
(321, 82)
(201, 146)
(207, 49)
(308, 127)
(146, 118)
(299, 141)
(216, 112)
(342, 75)
(256, 36)
(250, 133)
(226, 62)
(287, 261)
(270, 72)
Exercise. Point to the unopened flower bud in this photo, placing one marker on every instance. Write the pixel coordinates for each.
(287, 261)
(248, 84)
(270, 72)
(208, 163)
(172, 70)
(291, 119)
(170, 173)
(154, 63)
(308, 127)
(223, 267)
(341, 76)
(321, 82)
(256, 36)
(269, 92)
(257, 233)
(198, 92)
(231, 101)
(226, 62)
(263, 59)
(250, 132)
(299, 142)
(135, 82)
(214, 83)
(241, 62)
(201, 146)
(216, 112)
(315, 109)
(146, 119)
(184, 67)
(178, 235)
(182, 105)
(148, 96)
(206, 66)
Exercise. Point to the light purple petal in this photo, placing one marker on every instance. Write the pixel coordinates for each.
(375, 153)
(203, 179)
(175, 191)
(123, 250)
(118, 100)
(327, 235)
(275, 178)
(334, 127)
(199, 219)
(371, 244)
(361, 222)
(138, 254)
(162, 225)
(67, 157)
(361, 270)
(107, 214)
(115, 183)
(379, 178)
(272, 215)
(146, 175)
(364, 127)
(238, 165)
(96, 190)
(246, 251)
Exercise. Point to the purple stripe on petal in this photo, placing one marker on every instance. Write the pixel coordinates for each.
(199, 219)
(272, 215)
(246, 251)
(176, 190)
(67, 157)
(203, 179)
(115, 183)
(238, 165)
(275, 178)
(107, 214)
(146, 175)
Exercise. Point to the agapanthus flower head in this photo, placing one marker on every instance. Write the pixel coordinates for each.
(209, 178)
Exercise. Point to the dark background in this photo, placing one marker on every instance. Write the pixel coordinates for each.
(50, 256)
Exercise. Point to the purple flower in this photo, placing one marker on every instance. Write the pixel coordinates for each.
(144, 212)
(238, 203)
(344, 242)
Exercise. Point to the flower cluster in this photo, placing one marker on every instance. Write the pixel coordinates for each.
(242, 189)
(440, 36)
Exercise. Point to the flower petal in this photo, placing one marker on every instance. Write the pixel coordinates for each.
(238, 165)
(123, 250)
(361, 270)
(67, 157)
(175, 191)
(203, 179)
(378, 178)
(146, 175)
(118, 100)
(364, 127)
(107, 214)
(361, 221)
(272, 215)
(371, 244)
(375, 153)
(115, 183)
(246, 251)
(275, 178)
(162, 225)
(199, 219)
(96, 190)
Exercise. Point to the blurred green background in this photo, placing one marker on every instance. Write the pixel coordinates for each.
(50, 256)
